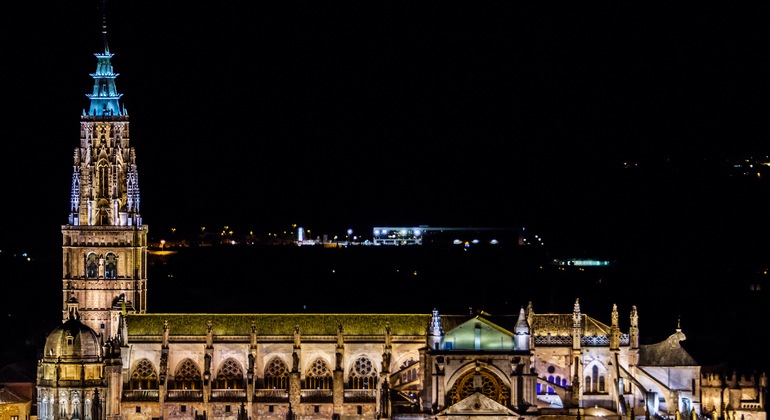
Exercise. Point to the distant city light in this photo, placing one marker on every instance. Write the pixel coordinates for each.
(350, 231)
(493, 242)
(377, 232)
(232, 242)
(403, 231)
(475, 241)
(417, 232)
(457, 242)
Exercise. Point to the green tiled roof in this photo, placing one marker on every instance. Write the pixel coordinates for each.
(283, 324)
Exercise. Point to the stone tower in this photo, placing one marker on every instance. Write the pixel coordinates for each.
(105, 243)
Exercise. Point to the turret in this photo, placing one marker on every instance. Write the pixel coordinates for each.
(633, 331)
(614, 330)
(521, 332)
(577, 330)
(435, 332)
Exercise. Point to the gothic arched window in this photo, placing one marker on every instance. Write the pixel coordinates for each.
(144, 375)
(187, 375)
(363, 374)
(276, 375)
(230, 375)
(92, 266)
(595, 378)
(601, 383)
(318, 375)
(588, 385)
(111, 266)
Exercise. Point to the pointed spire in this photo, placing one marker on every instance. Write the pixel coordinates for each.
(614, 315)
(104, 98)
(679, 323)
(521, 332)
(104, 27)
(521, 324)
(576, 314)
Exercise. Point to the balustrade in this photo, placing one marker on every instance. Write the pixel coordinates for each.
(184, 395)
(360, 395)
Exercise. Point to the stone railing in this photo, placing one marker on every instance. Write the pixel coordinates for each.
(360, 395)
(141, 395)
(316, 395)
(553, 340)
(271, 395)
(184, 395)
(595, 340)
(228, 395)
(750, 405)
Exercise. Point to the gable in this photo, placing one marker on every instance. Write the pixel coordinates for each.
(477, 404)
(478, 334)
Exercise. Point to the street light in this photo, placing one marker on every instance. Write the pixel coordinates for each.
(162, 242)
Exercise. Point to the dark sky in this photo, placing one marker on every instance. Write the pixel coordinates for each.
(354, 115)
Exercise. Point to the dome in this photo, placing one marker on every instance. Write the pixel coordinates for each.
(73, 341)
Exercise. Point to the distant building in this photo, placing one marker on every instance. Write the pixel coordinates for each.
(445, 236)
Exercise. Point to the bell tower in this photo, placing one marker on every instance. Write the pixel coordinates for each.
(104, 242)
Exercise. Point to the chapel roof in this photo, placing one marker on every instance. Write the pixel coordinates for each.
(72, 341)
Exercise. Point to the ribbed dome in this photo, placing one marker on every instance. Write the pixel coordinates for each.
(73, 341)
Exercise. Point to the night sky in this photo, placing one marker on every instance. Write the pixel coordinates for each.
(349, 116)
(336, 116)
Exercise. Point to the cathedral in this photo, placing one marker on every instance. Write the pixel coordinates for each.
(111, 359)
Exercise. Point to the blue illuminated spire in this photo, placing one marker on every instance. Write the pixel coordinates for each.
(104, 98)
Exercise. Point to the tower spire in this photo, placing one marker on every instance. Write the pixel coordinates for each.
(104, 98)
(104, 26)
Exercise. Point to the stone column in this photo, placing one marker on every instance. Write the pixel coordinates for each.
(426, 380)
(339, 391)
(440, 393)
(294, 390)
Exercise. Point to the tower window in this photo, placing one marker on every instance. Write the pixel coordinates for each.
(92, 266)
(183, 409)
(227, 409)
(359, 410)
(138, 409)
(110, 266)
(316, 408)
(270, 408)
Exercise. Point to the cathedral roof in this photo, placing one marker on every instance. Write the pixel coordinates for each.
(283, 324)
(353, 324)
(72, 341)
(666, 353)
